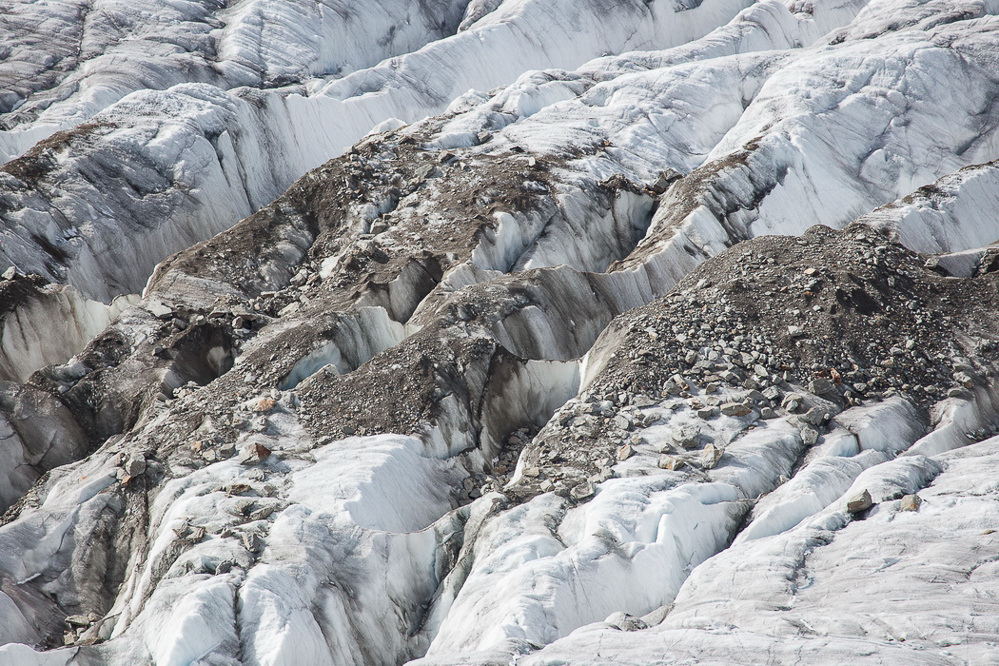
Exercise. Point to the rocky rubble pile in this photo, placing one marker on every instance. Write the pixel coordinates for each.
(775, 327)
(849, 314)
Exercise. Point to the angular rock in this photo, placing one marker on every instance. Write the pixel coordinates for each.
(821, 385)
(251, 454)
(670, 462)
(623, 422)
(711, 455)
(687, 437)
(135, 466)
(859, 502)
(626, 622)
(910, 503)
(815, 416)
(582, 491)
(735, 409)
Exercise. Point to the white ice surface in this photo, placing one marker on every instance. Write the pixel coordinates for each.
(897, 587)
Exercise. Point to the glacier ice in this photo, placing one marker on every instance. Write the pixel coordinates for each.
(465, 332)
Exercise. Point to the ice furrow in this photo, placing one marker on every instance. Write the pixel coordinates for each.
(708, 437)
(48, 324)
(53, 87)
(211, 194)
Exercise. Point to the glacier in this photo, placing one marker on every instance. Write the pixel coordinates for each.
(498, 332)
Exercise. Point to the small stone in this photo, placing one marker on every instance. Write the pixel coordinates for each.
(623, 422)
(9, 273)
(626, 622)
(135, 466)
(547, 486)
(706, 412)
(251, 541)
(669, 462)
(262, 513)
(963, 379)
(602, 475)
(771, 393)
(821, 385)
(711, 455)
(795, 331)
(815, 415)
(767, 413)
(582, 491)
(159, 309)
(859, 502)
(483, 136)
(664, 180)
(290, 309)
(78, 621)
(910, 503)
(263, 405)
(809, 437)
(735, 409)
(642, 400)
(625, 452)
(687, 437)
(251, 454)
